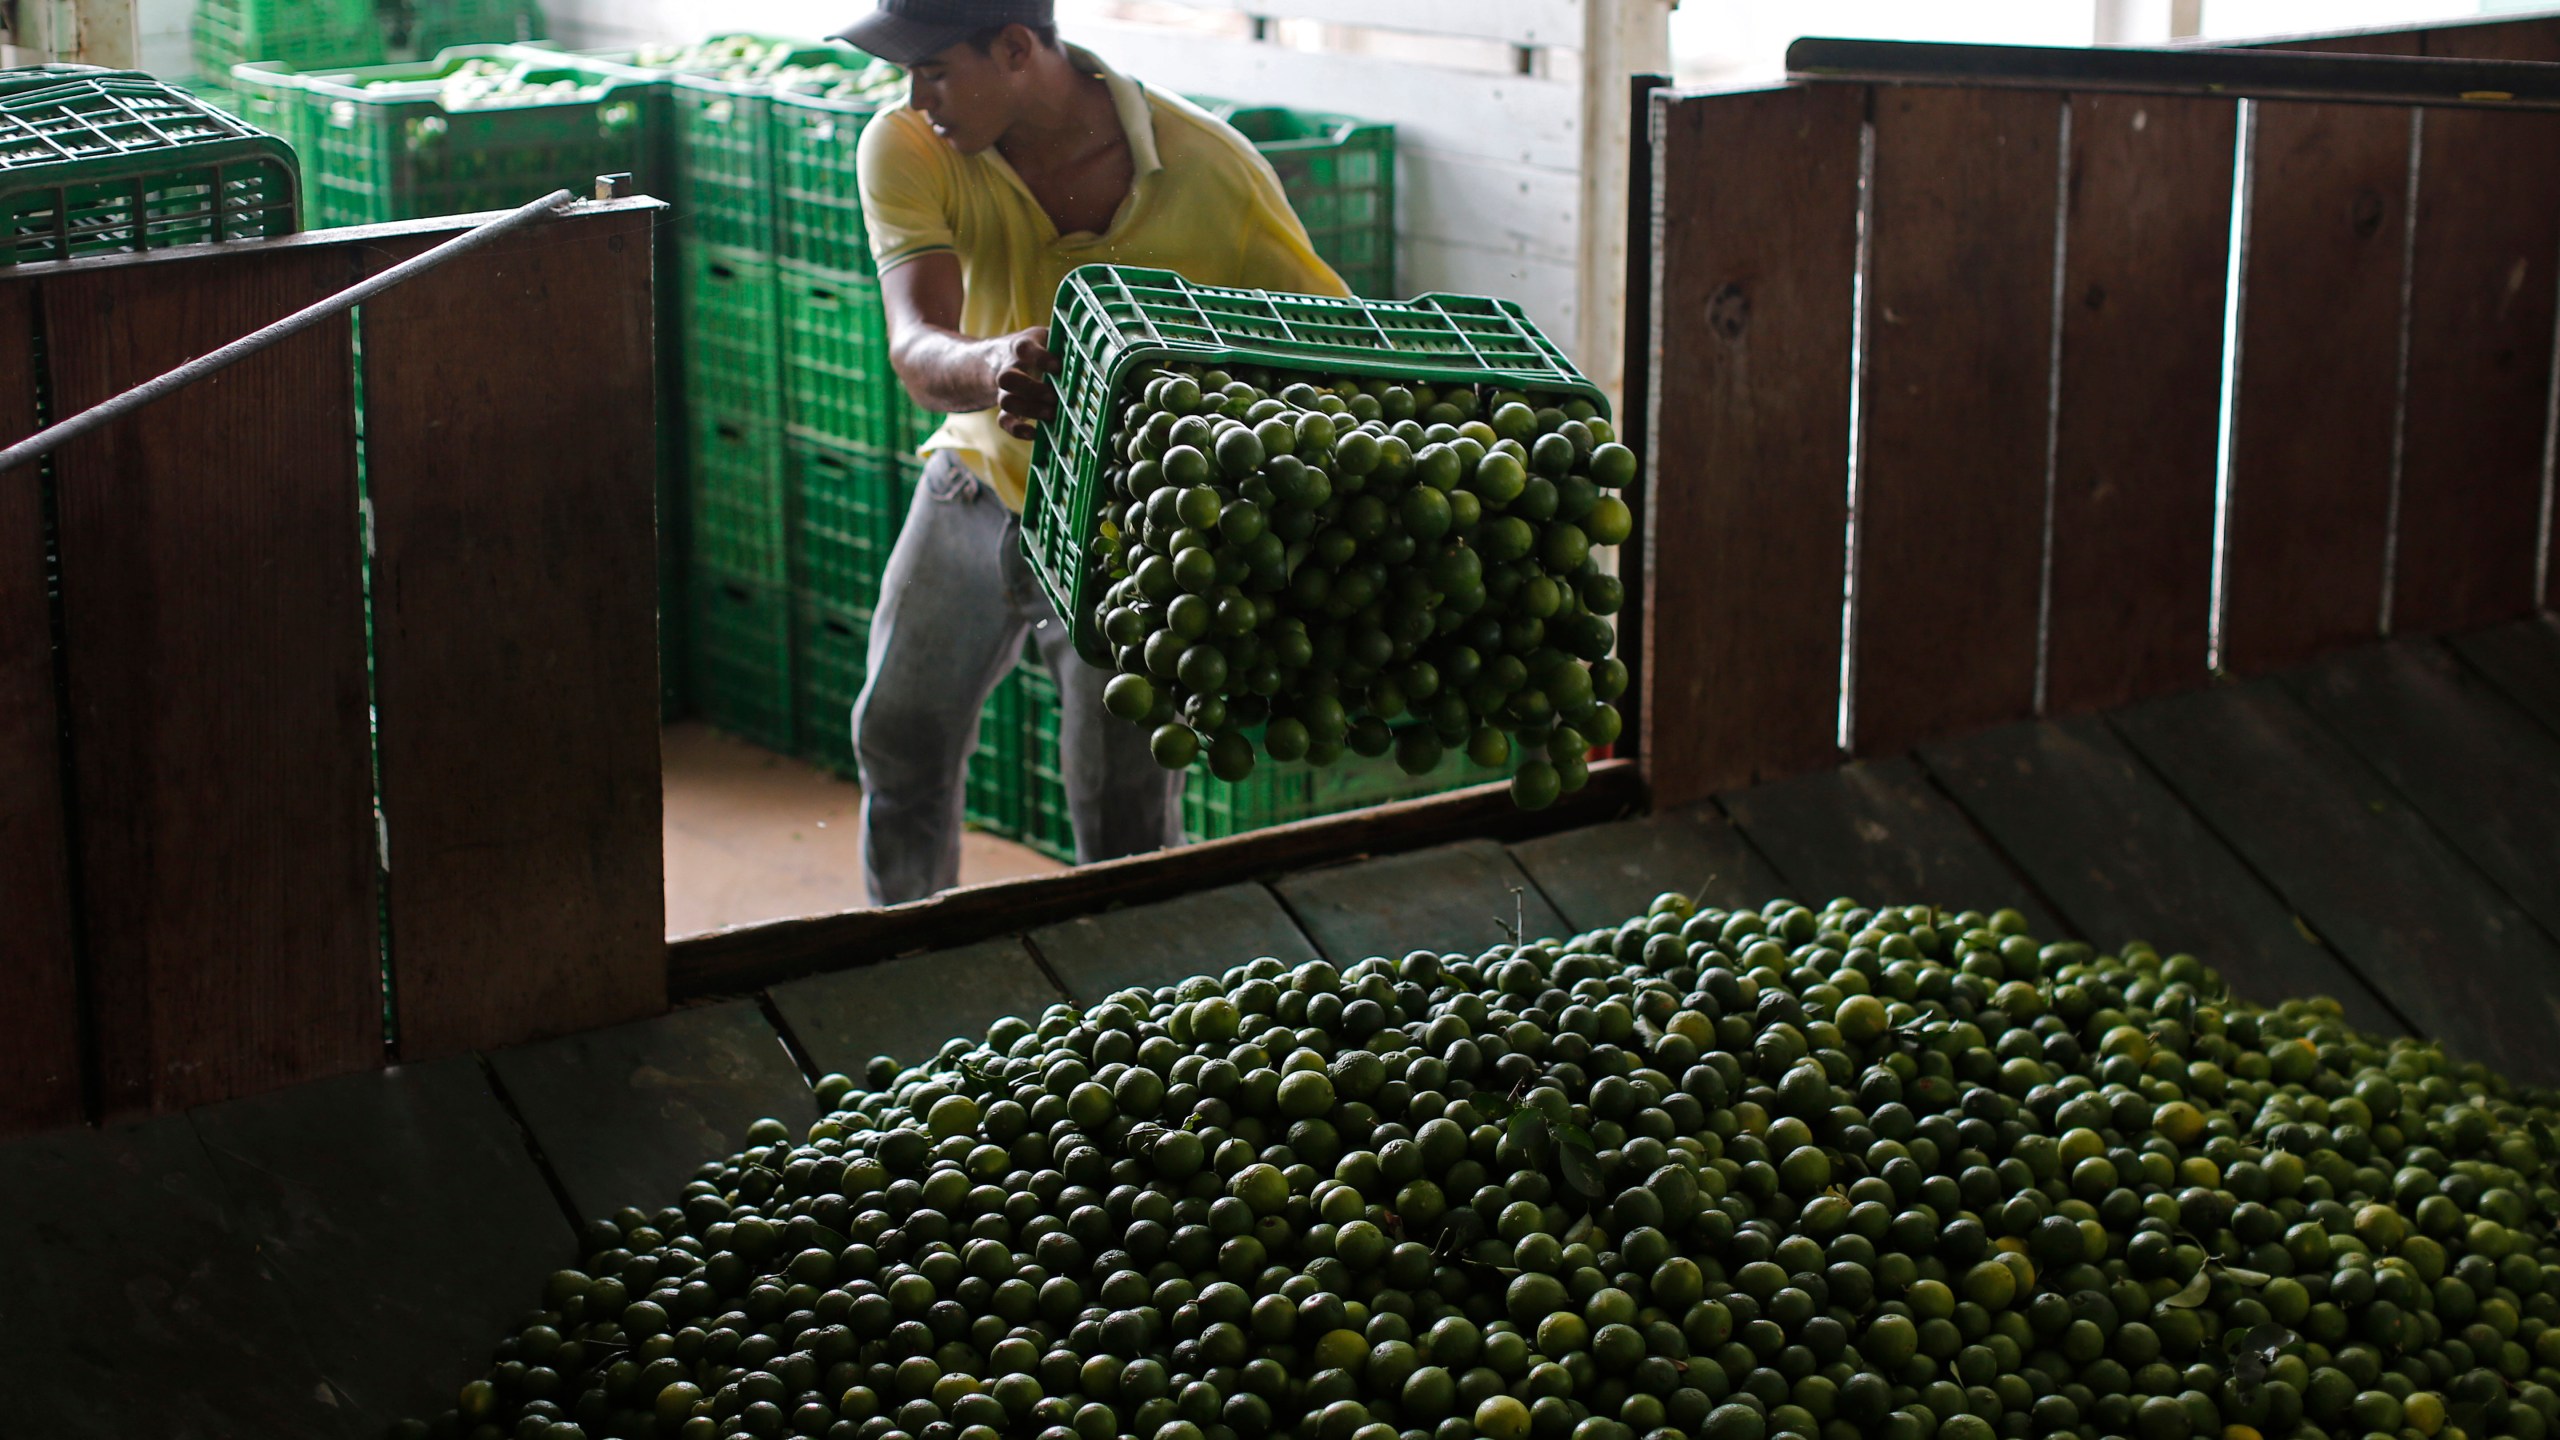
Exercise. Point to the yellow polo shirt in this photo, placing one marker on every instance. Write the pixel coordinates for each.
(1204, 205)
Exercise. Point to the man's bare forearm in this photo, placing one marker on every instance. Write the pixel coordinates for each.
(947, 371)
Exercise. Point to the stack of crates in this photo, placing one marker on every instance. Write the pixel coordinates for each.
(102, 162)
(299, 33)
(1341, 177)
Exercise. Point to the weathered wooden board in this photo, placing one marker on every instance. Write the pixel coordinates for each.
(1958, 383)
(135, 1304)
(2440, 943)
(1466, 897)
(907, 1008)
(2481, 295)
(2318, 390)
(2146, 257)
(2483, 771)
(1878, 831)
(2522, 660)
(406, 1219)
(508, 422)
(1607, 873)
(624, 1115)
(2125, 860)
(213, 603)
(1169, 942)
(1755, 271)
(40, 1082)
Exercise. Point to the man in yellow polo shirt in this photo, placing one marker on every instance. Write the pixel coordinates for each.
(1015, 160)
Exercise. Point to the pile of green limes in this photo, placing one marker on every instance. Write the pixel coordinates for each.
(1362, 565)
(1890, 1172)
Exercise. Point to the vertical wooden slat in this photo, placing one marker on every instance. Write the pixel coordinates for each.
(1747, 495)
(508, 425)
(215, 648)
(2481, 295)
(1635, 406)
(2317, 397)
(39, 989)
(2146, 259)
(1957, 414)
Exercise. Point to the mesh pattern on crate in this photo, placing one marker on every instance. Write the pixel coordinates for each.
(738, 506)
(733, 334)
(829, 653)
(835, 354)
(1112, 318)
(110, 162)
(741, 634)
(388, 149)
(820, 199)
(991, 791)
(724, 165)
(225, 33)
(847, 505)
(1047, 826)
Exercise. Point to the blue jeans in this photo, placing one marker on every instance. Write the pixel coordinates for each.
(955, 604)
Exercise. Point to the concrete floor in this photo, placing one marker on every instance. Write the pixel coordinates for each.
(753, 836)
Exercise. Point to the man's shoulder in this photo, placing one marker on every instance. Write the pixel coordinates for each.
(1192, 137)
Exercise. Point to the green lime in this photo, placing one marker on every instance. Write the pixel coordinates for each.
(1130, 697)
(1174, 746)
(1536, 786)
(1240, 452)
(1499, 479)
(1613, 466)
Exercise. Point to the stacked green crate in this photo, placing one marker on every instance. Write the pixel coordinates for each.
(478, 128)
(1341, 177)
(1213, 809)
(992, 793)
(299, 33)
(828, 646)
(99, 162)
(430, 27)
(742, 652)
(1046, 825)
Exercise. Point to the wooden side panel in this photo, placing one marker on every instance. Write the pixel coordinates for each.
(2522, 660)
(2146, 260)
(1959, 364)
(2318, 390)
(2480, 335)
(1459, 897)
(39, 989)
(1746, 515)
(1602, 874)
(907, 1008)
(1166, 943)
(215, 637)
(508, 405)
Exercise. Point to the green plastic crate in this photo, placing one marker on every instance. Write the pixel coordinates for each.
(1111, 319)
(846, 507)
(829, 650)
(675, 653)
(738, 510)
(835, 352)
(741, 639)
(1276, 794)
(430, 27)
(1341, 177)
(1046, 825)
(733, 334)
(820, 197)
(725, 176)
(300, 33)
(102, 162)
(991, 794)
(386, 146)
(269, 97)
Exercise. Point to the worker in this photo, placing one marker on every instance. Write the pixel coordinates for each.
(1015, 160)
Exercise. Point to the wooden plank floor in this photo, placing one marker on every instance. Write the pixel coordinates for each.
(319, 1261)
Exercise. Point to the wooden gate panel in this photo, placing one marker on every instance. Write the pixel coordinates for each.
(1746, 499)
(508, 424)
(2146, 261)
(1959, 324)
(213, 609)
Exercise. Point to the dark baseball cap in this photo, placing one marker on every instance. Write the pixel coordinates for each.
(904, 32)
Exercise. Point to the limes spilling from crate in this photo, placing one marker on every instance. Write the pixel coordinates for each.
(1365, 566)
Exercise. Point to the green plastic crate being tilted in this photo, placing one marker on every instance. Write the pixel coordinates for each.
(1112, 319)
(1341, 177)
(477, 128)
(100, 162)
